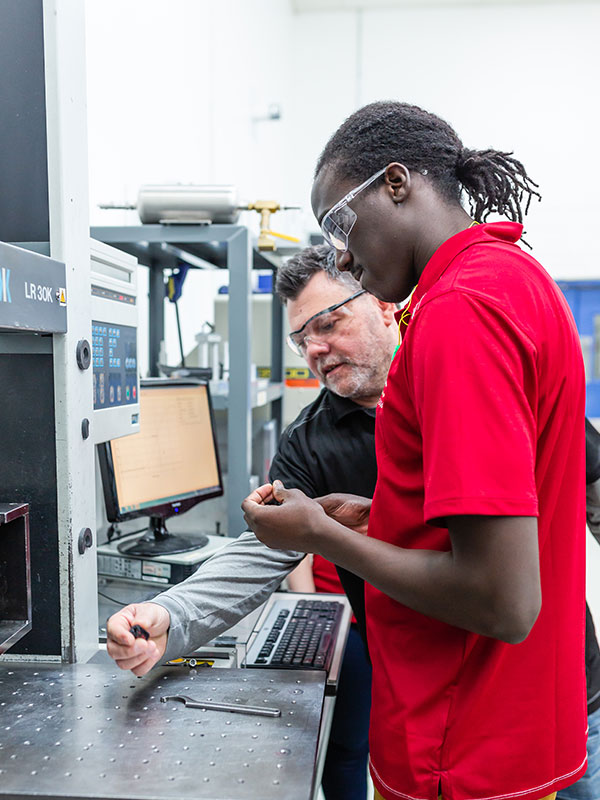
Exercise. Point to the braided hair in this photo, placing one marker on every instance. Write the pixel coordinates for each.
(384, 132)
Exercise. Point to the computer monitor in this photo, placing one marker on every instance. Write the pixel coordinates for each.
(169, 466)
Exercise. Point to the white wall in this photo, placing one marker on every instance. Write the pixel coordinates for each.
(172, 92)
(173, 89)
(515, 77)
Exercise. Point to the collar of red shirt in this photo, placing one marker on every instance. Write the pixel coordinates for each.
(446, 253)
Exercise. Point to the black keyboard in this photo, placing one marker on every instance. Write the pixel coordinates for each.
(300, 636)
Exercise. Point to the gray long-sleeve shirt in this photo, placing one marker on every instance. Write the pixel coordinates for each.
(222, 591)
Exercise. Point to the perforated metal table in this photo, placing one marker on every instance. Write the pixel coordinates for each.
(92, 731)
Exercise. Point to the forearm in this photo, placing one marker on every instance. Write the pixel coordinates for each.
(301, 578)
(222, 591)
(437, 584)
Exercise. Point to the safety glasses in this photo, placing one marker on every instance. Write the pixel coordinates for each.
(339, 220)
(322, 325)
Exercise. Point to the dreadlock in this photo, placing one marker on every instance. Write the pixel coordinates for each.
(383, 132)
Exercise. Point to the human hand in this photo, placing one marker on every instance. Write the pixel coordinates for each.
(138, 655)
(291, 525)
(350, 510)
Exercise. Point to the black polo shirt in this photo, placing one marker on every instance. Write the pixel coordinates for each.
(592, 652)
(330, 447)
(592, 453)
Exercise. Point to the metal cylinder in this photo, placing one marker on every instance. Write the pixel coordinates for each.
(188, 203)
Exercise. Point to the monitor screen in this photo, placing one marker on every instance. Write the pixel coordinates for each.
(170, 465)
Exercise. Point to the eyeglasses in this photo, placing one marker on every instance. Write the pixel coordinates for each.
(322, 326)
(339, 220)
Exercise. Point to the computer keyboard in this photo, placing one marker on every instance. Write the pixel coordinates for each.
(297, 636)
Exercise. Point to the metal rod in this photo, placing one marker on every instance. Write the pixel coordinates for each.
(179, 334)
(156, 322)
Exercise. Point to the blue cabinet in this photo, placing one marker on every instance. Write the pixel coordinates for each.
(584, 299)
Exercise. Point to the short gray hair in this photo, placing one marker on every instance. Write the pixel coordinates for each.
(293, 276)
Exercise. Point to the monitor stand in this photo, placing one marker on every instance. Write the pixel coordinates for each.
(157, 541)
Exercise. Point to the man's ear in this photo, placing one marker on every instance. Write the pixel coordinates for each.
(397, 178)
(387, 312)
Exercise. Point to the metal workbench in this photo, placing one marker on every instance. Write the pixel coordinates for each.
(93, 731)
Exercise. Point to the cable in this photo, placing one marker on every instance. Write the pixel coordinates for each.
(112, 599)
(119, 535)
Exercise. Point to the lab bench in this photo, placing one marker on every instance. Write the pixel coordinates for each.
(90, 731)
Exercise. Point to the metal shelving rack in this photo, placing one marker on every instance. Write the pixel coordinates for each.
(161, 247)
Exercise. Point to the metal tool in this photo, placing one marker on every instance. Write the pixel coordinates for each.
(258, 711)
(190, 662)
(139, 632)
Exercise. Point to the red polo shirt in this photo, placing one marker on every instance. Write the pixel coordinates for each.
(483, 413)
(325, 576)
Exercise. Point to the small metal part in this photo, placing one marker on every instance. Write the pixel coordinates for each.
(139, 632)
(190, 662)
(85, 428)
(235, 709)
(83, 354)
(225, 641)
(85, 540)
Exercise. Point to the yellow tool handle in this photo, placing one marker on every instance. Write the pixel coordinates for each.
(281, 236)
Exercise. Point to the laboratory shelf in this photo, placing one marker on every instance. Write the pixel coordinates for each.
(201, 246)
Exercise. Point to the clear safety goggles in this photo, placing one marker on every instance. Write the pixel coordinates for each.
(339, 220)
(322, 326)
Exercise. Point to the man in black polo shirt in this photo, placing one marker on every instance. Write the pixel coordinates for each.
(588, 787)
(349, 348)
(347, 338)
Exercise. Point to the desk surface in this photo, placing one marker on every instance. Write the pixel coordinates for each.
(91, 731)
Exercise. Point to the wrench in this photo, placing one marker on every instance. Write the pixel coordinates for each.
(259, 711)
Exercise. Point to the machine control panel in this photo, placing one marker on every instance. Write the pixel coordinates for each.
(114, 360)
(114, 342)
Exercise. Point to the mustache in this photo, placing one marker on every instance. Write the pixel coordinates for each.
(326, 366)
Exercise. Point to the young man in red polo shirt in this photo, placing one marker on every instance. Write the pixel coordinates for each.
(475, 546)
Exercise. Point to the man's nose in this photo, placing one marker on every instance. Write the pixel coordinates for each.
(315, 349)
(343, 260)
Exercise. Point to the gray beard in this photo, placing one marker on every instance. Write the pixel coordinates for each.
(363, 382)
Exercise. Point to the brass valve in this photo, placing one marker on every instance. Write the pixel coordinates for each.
(265, 208)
